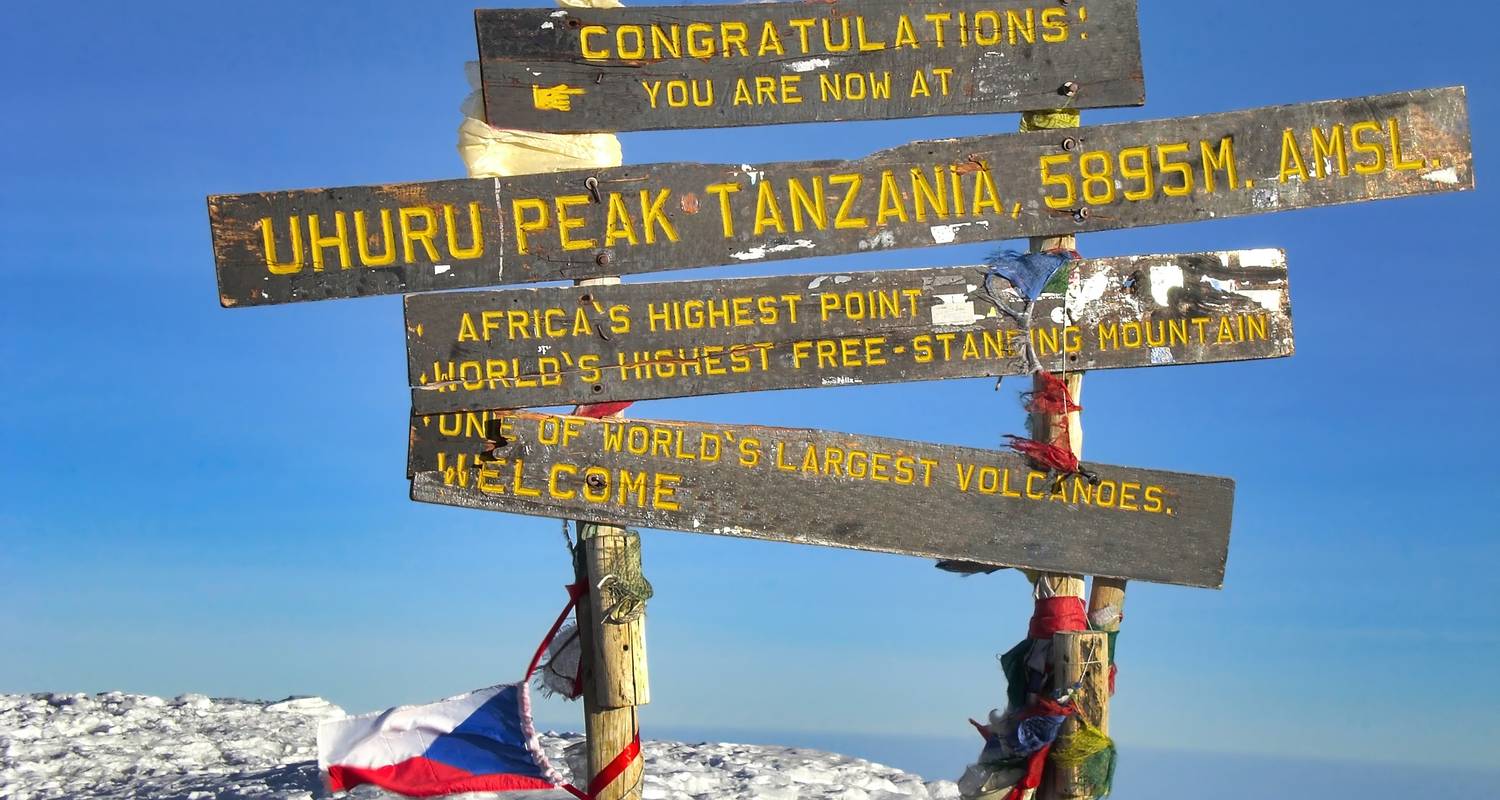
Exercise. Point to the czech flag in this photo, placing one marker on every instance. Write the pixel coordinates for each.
(482, 741)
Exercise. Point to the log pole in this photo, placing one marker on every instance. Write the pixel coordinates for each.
(1081, 658)
(1065, 783)
(613, 655)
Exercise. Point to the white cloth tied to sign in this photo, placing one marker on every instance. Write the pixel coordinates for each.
(490, 152)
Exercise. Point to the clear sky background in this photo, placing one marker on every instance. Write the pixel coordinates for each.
(198, 499)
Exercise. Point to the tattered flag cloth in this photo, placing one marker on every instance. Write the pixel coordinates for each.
(482, 741)
(476, 742)
(1029, 272)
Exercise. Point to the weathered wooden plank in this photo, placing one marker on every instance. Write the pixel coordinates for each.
(579, 70)
(304, 245)
(549, 346)
(834, 489)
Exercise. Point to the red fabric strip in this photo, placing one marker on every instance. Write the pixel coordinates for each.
(600, 410)
(1057, 615)
(1049, 456)
(422, 777)
(1033, 777)
(616, 767)
(575, 591)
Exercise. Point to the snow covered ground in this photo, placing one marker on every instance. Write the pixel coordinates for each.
(117, 745)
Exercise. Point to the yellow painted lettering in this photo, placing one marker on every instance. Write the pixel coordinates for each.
(815, 207)
(317, 241)
(363, 243)
(476, 233)
(841, 219)
(540, 221)
(268, 236)
(618, 223)
(652, 214)
(1292, 163)
(567, 222)
(411, 235)
(767, 209)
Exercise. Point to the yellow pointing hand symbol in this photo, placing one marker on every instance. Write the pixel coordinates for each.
(554, 98)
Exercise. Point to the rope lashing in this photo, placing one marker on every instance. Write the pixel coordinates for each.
(1047, 120)
(1092, 753)
(625, 590)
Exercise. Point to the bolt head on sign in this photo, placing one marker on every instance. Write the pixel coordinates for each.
(582, 70)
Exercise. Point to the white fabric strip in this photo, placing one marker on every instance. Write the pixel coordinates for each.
(384, 738)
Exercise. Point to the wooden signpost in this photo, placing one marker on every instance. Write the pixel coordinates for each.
(579, 70)
(554, 346)
(835, 489)
(278, 247)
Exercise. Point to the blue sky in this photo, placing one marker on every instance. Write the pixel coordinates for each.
(197, 499)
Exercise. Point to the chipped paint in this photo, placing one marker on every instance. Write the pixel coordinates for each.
(1269, 299)
(547, 25)
(945, 234)
(953, 310)
(756, 253)
(808, 65)
(1088, 291)
(1263, 257)
(1164, 278)
(1264, 199)
(879, 241)
(439, 269)
(841, 380)
(1448, 175)
(818, 281)
(752, 173)
(1161, 355)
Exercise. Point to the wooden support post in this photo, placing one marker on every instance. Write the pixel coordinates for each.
(1064, 783)
(1079, 657)
(1106, 610)
(613, 656)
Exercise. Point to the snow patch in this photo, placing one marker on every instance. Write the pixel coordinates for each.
(116, 745)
